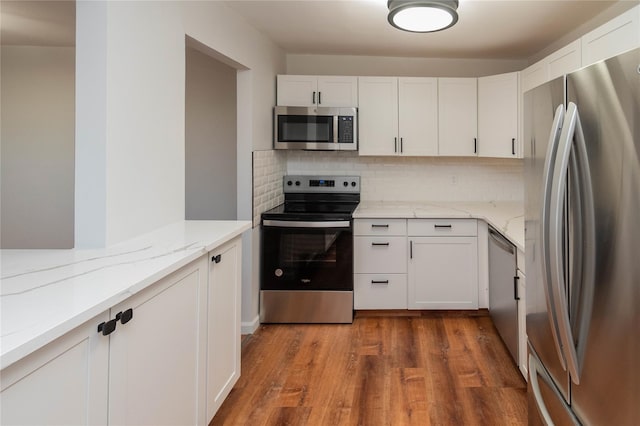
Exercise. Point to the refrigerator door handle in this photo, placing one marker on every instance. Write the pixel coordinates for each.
(536, 370)
(572, 129)
(536, 373)
(548, 179)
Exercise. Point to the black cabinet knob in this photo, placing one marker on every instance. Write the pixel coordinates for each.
(125, 317)
(108, 327)
(216, 259)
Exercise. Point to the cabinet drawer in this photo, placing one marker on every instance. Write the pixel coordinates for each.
(380, 255)
(443, 227)
(380, 291)
(396, 227)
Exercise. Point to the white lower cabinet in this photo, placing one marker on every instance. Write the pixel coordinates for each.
(223, 354)
(63, 383)
(380, 291)
(380, 264)
(172, 358)
(443, 267)
(157, 359)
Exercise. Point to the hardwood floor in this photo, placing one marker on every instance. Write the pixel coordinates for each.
(409, 368)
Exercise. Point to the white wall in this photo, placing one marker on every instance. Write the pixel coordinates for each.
(131, 146)
(395, 66)
(210, 138)
(37, 171)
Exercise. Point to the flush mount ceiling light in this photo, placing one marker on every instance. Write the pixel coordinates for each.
(422, 16)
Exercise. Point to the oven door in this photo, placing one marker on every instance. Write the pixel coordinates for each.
(307, 255)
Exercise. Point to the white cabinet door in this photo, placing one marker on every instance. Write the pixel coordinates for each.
(378, 115)
(297, 90)
(311, 90)
(498, 115)
(223, 359)
(522, 324)
(337, 91)
(565, 60)
(418, 116)
(63, 383)
(457, 116)
(620, 34)
(443, 273)
(157, 369)
(380, 255)
(380, 291)
(534, 76)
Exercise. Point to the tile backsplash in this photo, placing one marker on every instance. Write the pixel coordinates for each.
(418, 178)
(268, 169)
(411, 179)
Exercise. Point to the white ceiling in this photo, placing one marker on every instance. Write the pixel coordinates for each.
(505, 29)
(499, 29)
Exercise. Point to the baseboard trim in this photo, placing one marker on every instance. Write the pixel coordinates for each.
(251, 326)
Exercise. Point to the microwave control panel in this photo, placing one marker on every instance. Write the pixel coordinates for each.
(345, 129)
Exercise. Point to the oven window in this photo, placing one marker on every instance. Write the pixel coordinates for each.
(299, 250)
(307, 259)
(305, 128)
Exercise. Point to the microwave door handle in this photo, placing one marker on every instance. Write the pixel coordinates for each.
(336, 134)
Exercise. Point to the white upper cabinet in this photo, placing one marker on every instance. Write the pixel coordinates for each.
(457, 116)
(620, 34)
(534, 76)
(564, 60)
(378, 115)
(498, 116)
(418, 116)
(308, 90)
(398, 116)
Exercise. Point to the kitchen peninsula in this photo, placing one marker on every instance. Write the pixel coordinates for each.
(111, 320)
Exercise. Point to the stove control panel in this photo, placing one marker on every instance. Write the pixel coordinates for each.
(335, 184)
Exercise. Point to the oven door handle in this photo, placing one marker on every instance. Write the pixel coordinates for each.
(306, 224)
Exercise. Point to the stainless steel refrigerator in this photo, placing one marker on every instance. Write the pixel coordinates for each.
(582, 245)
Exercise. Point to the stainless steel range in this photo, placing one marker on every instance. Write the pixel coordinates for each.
(306, 273)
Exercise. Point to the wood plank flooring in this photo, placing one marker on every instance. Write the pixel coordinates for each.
(407, 368)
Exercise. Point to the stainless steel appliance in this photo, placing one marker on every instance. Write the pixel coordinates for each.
(582, 241)
(503, 290)
(315, 128)
(306, 271)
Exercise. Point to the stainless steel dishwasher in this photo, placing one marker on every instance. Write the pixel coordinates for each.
(503, 290)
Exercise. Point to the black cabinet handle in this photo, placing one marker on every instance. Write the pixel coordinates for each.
(314, 98)
(107, 327)
(395, 144)
(319, 98)
(516, 296)
(475, 145)
(379, 244)
(442, 226)
(379, 226)
(216, 259)
(411, 249)
(379, 281)
(513, 146)
(124, 317)
(401, 143)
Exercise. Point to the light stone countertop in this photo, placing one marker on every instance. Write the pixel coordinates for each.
(47, 293)
(505, 216)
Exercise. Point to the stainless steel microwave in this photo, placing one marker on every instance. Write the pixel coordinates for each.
(315, 128)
